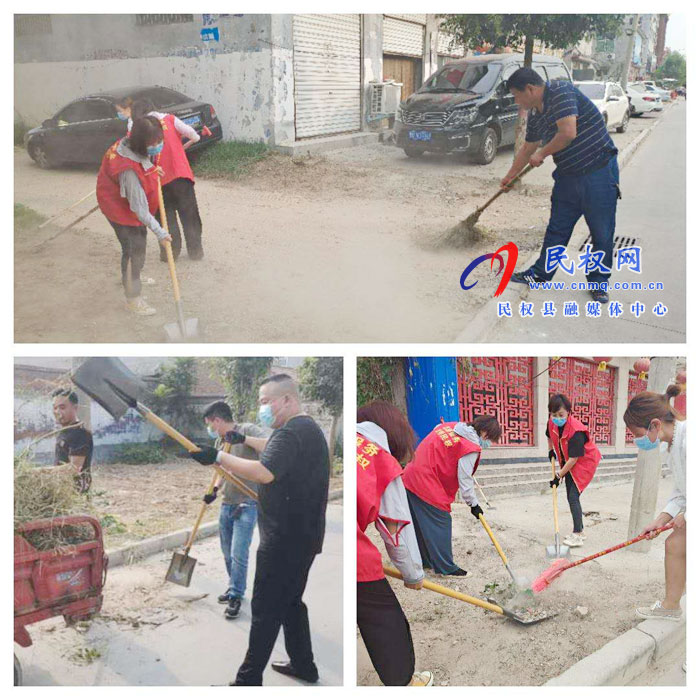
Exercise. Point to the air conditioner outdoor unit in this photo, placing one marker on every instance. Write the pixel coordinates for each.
(384, 97)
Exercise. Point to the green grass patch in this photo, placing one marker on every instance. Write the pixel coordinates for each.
(139, 453)
(21, 128)
(229, 159)
(26, 218)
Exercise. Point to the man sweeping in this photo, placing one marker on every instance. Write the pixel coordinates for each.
(293, 472)
(239, 512)
(563, 123)
(73, 443)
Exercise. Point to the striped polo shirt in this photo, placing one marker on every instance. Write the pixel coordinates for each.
(591, 149)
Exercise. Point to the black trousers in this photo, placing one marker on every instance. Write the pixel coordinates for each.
(179, 199)
(385, 632)
(133, 242)
(280, 580)
(573, 496)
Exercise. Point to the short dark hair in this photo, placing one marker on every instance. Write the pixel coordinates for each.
(141, 107)
(524, 77)
(559, 401)
(72, 396)
(489, 425)
(276, 379)
(218, 409)
(144, 131)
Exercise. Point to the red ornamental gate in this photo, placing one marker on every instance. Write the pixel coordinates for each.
(591, 392)
(500, 386)
(635, 386)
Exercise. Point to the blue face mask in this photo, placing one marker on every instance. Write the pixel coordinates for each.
(155, 150)
(484, 442)
(212, 433)
(645, 443)
(559, 422)
(123, 117)
(265, 415)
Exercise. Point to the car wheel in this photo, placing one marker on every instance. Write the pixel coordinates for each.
(487, 149)
(18, 672)
(37, 152)
(623, 126)
(413, 151)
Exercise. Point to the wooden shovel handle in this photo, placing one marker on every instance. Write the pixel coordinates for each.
(554, 497)
(198, 522)
(167, 244)
(244, 488)
(523, 172)
(489, 532)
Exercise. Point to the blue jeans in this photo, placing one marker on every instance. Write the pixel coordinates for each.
(593, 196)
(236, 525)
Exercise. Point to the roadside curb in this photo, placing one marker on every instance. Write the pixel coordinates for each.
(130, 553)
(628, 656)
(485, 319)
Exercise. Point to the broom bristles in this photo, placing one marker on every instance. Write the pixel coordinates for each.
(548, 575)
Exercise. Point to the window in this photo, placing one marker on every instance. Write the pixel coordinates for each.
(163, 97)
(605, 45)
(152, 20)
(32, 25)
(477, 78)
(86, 111)
(593, 91)
(557, 72)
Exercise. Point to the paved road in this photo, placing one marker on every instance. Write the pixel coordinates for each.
(652, 211)
(198, 646)
(667, 672)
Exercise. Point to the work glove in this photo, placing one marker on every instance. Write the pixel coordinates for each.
(211, 497)
(476, 511)
(206, 455)
(233, 437)
(554, 482)
(552, 456)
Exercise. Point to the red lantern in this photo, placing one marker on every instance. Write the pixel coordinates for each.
(641, 367)
(602, 363)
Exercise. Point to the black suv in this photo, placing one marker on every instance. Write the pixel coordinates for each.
(84, 129)
(465, 107)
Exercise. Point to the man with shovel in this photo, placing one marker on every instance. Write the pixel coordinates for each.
(293, 472)
(239, 512)
(571, 129)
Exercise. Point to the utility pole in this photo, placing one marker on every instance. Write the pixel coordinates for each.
(631, 34)
(648, 471)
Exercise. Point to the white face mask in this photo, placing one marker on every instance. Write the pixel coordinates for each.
(211, 432)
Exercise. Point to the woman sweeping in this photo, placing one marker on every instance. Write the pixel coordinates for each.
(571, 445)
(178, 180)
(127, 194)
(445, 462)
(383, 434)
(652, 420)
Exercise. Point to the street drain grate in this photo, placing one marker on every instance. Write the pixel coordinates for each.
(618, 242)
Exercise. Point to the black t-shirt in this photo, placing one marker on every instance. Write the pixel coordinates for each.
(576, 443)
(292, 508)
(75, 442)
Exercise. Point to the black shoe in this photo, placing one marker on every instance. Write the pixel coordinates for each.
(599, 295)
(526, 277)
(458, 572)
(234, 608)
(224, 598)
(286, 669)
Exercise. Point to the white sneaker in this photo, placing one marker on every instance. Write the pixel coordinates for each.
(424, 678)
(138, 306)
(574, 540)
(658, 612)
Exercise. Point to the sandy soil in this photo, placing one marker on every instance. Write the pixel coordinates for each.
(464, 645)
(152, 499)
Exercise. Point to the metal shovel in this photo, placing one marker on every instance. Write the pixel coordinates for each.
(558, 551)
(486, 605)
(184, 329)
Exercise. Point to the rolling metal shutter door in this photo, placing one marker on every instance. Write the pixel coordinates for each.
(403, 38)
(326, 74)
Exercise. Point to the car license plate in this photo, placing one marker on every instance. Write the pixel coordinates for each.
(194, 120)
(419, 135)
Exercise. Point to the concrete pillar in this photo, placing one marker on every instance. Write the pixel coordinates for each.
(430, 46)
(372, 63)
(541, 394)
(624, 365)
(648, 472)
(281, 129)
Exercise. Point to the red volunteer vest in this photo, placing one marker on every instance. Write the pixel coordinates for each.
(585, 467)
(432, 474)
(376, 469)
(111, 203)
(173, 158)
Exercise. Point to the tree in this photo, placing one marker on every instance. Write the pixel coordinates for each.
(321, 379)
(521, 31)
(375, 377)
(241, 377)
(672, 67)
(171, 397)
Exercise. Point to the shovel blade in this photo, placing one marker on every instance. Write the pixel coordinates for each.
(557, 552)
(173, 332)
(180, 569)
(96, 374)
(511, 615)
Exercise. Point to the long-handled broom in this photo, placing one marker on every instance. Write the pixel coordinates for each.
(561, 565)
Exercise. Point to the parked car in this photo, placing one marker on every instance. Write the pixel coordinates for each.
(466, 107)
(652, 87)
(651, 92)
(641, 100)
(85, 128)
(610, 100)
